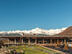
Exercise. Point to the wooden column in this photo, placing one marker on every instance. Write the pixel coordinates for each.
(35, 41)
(22, 41)
(65, 43)
(62, 41)
(57, 42)
(43, 41)
(50, 42)
(8, 41)
(15, 41)
(71, 44)
(28, 41)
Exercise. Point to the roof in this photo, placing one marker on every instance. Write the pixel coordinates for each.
(10, 35)
(44, 35)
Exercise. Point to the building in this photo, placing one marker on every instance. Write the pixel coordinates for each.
(61, 39)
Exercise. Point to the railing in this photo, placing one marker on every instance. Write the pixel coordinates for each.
(48, 44)
(13, 43)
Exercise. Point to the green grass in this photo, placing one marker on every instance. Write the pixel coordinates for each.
(33, 49)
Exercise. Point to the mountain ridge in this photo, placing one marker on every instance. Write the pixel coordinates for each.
(37, 31)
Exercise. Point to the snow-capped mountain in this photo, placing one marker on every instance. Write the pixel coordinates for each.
(37, 31)
(48, 32)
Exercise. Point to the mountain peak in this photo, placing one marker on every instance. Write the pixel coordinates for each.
(37, 29)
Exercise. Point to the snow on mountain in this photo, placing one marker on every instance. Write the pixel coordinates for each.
(48, 32)
(37, 31)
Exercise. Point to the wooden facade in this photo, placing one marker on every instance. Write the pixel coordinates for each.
(43, 41)
(62, 39)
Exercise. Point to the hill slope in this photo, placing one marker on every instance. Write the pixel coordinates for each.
(68, 31)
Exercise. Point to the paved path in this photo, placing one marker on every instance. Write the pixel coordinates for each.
(54, 50)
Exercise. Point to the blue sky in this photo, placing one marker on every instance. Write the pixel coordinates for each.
(28, 14)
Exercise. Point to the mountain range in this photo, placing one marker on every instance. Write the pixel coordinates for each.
(37, 31)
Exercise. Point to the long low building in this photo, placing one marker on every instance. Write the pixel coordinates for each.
(61, 39)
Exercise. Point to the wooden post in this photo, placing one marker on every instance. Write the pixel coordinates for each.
(19, 40)
(28, 41)
(65, 43)
(35, 41)
(43, 41)
(71, 44)
(22, 41)
(51, 42)
(8, 41)
(57, 42)
(15, 41)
